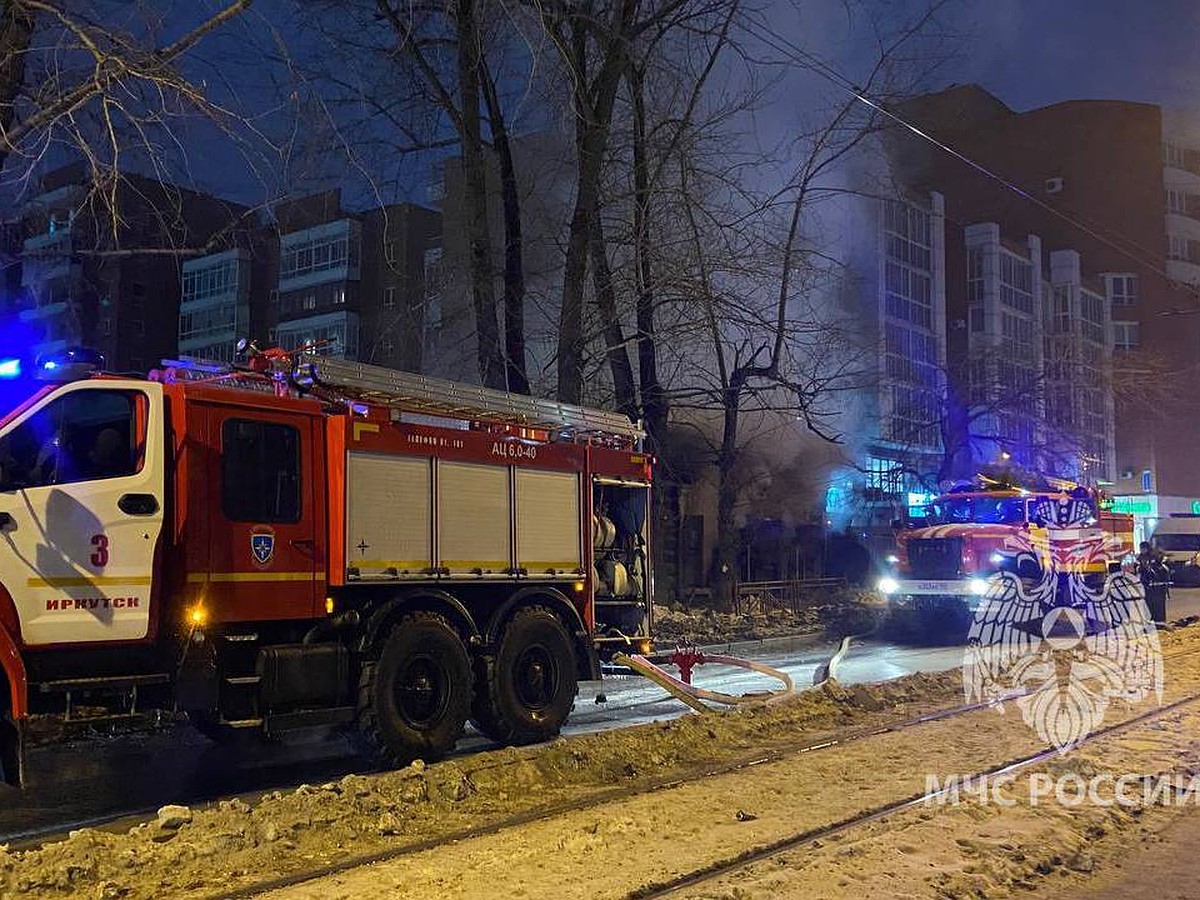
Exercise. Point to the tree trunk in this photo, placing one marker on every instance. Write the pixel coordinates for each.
(570, 331)
(593, 100)
(614, 335)
(491, 362)
(654, 402)
(726, 552)
(956, 438)
(16, 31)
(514, 263)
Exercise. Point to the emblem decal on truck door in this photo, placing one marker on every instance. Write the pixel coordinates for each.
(262, 545)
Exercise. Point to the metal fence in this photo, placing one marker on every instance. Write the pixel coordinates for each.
(760, 596)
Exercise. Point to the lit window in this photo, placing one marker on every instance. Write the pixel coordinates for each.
(310, 302)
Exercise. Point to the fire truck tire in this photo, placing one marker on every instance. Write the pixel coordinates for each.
(413, 701)
(10, 752)
(526, 693)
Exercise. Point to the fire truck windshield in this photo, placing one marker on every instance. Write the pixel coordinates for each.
(984, 510)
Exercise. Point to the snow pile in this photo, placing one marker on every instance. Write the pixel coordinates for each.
(206, 852)
(836, 614)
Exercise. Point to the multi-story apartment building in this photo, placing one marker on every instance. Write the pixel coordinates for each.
(897, 297)
(1002, 366)
(83, 276)
(990, 351)
(320, 270)
(1079, 407)
(1118, 183)
(354, 283)
(225, 295)
(912, 325)
(214, 309)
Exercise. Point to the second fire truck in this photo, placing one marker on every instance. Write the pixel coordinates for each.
(989, 525)
(306, 541)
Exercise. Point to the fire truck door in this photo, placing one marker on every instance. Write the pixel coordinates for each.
(81, 510)
(265, 558)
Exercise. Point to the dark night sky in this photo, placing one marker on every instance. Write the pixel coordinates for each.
(1028, 52)
(1034, 52)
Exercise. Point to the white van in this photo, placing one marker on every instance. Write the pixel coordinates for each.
(1178, 538)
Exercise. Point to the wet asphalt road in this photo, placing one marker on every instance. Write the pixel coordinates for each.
(81, 782)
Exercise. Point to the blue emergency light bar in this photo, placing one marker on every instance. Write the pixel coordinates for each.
(70, 364)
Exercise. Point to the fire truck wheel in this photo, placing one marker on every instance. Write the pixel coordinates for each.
(414, 700)
(530, 688)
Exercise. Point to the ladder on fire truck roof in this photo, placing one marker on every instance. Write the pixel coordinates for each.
(409, 392)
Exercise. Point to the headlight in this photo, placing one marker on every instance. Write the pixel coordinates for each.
(996, 559)
(978, 586)
(888, 585)
(891, 559)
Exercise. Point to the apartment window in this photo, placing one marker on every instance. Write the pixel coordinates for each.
(309, 302)
(139, 327)
(1063, 315)
(975, 275)
(389, 298)
(1126, 335)
(1122, 289)
(106, 325)
(339, 296)
(389, 345)
(908, 230)
(884, 475)
(389, 252)
(210, 281)
(1016, 283)
(1176, 201)
(434, 272)
(1177, 248)
(976, 316)
(908, 295)
(318, 254)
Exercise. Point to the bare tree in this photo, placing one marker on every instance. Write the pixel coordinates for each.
(89, 85)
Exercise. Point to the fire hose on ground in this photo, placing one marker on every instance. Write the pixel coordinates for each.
(686, 658)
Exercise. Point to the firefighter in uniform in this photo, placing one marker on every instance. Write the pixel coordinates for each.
(1156, 579)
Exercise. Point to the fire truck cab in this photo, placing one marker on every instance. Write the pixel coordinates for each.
(986, 526)
(305, 541)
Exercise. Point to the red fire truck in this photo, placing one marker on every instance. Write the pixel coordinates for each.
(992, 524)
(306, 541)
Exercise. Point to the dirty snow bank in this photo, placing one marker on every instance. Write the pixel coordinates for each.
(208, 852)
(836, 614)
